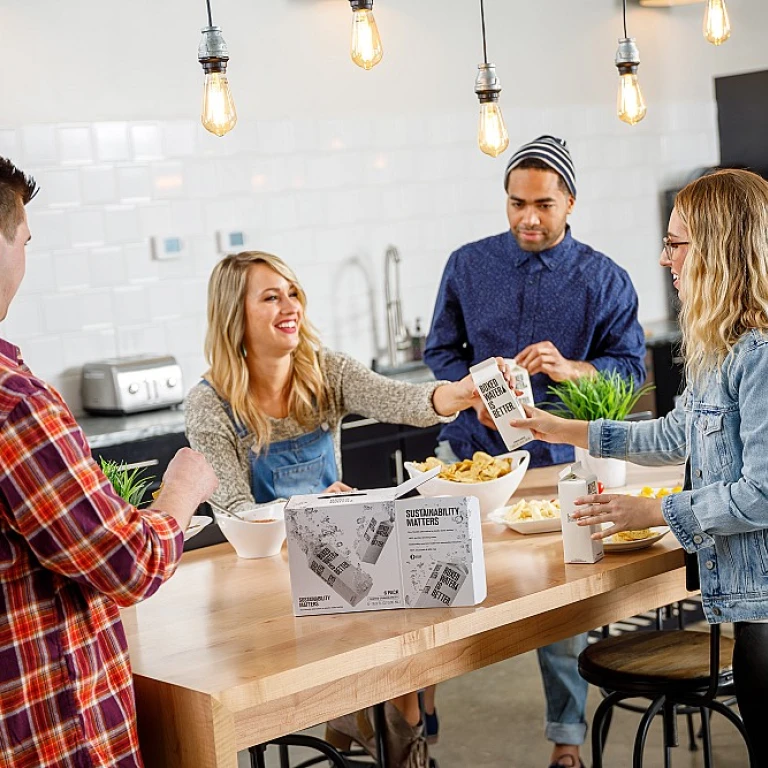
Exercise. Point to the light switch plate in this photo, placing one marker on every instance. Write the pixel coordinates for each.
(229, 241)
(167, 248)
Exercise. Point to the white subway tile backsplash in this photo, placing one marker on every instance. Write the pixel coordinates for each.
(131, 304)
(112, 142)
(178, 138)
(98, 184)
(75, 144)
(9, 145)
(139, 266)
(87, 227)
(62, 313)
(49, 229)
(134, 183)
(147, 141)
(39, 145)
(327, 195)
(155, 220)
(121, 224)
(106, 267)
(58, 188)
(44, 356)
(72, 269)
(168, 180)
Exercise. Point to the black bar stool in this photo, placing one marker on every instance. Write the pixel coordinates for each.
(671, 668)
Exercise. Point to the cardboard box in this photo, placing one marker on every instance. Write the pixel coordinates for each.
(500, 402)
(578, 546)
(372, 550)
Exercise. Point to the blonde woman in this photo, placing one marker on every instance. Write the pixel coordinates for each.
(268, 413)
(716, 249)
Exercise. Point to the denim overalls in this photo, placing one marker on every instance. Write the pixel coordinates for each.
(304, 464)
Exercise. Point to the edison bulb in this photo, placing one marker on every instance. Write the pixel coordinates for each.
(366, 44)
(219, 115)
(492, 135)
(717, 26)
(630, 105)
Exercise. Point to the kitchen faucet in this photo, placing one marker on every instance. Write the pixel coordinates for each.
(398, 338)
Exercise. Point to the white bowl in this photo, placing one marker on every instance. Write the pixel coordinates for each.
(252, 539)
(491, 494)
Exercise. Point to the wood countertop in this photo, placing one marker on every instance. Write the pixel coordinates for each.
(221, 663)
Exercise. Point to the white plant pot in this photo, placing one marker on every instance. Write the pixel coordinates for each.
(612, 473)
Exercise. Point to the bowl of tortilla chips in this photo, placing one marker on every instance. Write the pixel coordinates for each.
(492, 479)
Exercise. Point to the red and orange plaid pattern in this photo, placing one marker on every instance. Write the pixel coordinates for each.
(71, 552)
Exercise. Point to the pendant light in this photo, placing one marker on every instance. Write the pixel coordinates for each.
(218, 113)
(366, 50)
(717, 25)
(492, 136)
(630, 106)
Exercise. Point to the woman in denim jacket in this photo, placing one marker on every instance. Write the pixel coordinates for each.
(717, 250)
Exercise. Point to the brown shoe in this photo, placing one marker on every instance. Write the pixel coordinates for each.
(355, 727)
(406, 744)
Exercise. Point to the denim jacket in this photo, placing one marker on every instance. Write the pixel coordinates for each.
(721, 428)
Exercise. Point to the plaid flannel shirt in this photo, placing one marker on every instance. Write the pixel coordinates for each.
(71, 552)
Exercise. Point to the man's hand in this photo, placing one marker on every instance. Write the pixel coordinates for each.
(544, 357)
(187, 483)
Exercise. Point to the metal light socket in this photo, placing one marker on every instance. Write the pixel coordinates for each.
(361, 5)
(212, 52)
(627, 56)
(487, 86)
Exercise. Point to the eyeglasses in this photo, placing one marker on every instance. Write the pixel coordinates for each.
(669, 246)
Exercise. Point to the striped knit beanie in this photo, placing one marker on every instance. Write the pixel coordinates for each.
(550, 150)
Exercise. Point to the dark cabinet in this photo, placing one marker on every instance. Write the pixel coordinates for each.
(373, 454)
(152, 455)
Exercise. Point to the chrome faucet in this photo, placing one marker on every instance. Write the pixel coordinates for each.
(398, 338)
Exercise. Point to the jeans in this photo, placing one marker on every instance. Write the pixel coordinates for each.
(565, 690)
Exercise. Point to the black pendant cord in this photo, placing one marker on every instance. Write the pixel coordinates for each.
(210, 19)
(482, 20)
(625, 18)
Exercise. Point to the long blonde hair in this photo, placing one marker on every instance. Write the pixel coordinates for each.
(726, 269)
(225, 350)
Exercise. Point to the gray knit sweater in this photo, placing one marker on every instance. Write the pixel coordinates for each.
(353, 388)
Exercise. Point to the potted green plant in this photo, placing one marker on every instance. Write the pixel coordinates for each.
(130, 484)
(603, 395)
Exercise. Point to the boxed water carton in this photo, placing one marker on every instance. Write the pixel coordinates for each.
(501, 402)
(371, 550)
(578, 545)
(522, 381)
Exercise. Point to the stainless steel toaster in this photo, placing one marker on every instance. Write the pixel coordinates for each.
(122, 385)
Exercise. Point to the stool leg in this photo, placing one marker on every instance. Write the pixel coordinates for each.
(642, 731)
(692, 745)
(380, 724)
(284, 759)
(257, 756)
(727, 713)
(669, 716)
(706, 735)
(600, 723)
(312, 742)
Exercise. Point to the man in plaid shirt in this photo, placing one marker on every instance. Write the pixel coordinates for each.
(71, 553)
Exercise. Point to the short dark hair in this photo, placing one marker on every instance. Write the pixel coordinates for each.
(16, 190)
(540, 165)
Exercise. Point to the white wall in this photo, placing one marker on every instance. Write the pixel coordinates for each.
(328, 164)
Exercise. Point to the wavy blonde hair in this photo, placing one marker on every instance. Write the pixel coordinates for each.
(225, 350)
(726, 268)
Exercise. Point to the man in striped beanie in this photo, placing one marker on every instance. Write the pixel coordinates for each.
(562, 310)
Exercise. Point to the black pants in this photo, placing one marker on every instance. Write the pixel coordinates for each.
(750, 676)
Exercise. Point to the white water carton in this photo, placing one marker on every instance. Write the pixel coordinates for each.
(371, 550)
(522, 381)
(500, 402)
(578, 545)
